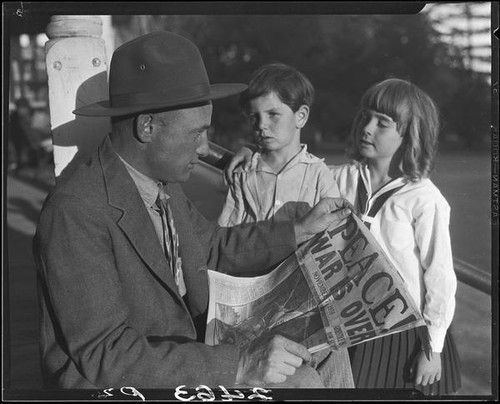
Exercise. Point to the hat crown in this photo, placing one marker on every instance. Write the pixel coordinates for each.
(160, 61)
(157, 71)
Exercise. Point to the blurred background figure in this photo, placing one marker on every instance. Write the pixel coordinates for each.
(23, 137)
(28, 146)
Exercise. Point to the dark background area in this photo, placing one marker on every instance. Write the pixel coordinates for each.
(343, 48)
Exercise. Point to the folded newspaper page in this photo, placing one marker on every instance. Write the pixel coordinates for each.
(337, 290)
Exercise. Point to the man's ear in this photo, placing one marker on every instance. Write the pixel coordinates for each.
(144, 128)
(301, 116)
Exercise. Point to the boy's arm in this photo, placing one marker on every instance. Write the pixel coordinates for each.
(233, 210)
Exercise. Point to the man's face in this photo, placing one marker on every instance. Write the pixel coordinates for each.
(179, 138)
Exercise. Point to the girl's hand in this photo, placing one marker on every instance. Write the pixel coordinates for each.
(427, 370)
(244, 158)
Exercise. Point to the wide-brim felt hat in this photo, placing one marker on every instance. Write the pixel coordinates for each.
(160, 70)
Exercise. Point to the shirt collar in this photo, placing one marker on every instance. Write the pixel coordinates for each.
(365, 174)
(301, 157)
(147, 187)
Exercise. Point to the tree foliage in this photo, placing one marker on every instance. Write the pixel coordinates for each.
(342, 55)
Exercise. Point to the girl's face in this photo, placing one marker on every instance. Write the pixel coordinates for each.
(378, 137)
(274, 124)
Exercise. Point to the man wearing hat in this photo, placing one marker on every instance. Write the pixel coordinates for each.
(122, 254)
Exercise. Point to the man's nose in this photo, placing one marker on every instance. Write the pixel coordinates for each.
(203, 147)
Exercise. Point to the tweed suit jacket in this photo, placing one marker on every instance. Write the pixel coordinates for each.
(110, 312)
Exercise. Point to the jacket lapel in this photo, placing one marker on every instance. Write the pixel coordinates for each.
(131, 215)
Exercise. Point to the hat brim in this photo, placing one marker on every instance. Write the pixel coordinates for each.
(103, 108)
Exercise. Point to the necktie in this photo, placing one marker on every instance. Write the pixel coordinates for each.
(170, 240)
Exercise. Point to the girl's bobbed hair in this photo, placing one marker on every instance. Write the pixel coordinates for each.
(417, 120)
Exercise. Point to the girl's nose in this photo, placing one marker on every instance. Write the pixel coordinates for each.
(369, 126)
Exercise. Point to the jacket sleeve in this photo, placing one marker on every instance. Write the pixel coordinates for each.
(90, 314)
(246, 249)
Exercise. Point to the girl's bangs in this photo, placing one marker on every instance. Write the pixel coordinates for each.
(390, 100)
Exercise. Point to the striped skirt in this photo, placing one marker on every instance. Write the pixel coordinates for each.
(384, 363)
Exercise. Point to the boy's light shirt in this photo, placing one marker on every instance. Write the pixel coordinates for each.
(413, 229)
(262, 194)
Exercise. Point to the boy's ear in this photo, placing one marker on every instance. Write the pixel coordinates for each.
(144, 128)
(301, 116)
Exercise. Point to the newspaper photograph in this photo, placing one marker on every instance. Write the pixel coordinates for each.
(337, 290)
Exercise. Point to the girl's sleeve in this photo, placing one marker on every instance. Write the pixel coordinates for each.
(433, 239)
(233, 209)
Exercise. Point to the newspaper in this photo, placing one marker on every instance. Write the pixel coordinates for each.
(337, 290)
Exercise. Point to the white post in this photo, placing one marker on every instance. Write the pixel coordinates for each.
(108, 35)
(77, 75)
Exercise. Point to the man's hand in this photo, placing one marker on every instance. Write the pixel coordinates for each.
(270, 362)
(320, 217)
(427, 370)
(242, 157)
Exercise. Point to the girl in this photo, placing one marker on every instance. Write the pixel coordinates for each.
(393, 145)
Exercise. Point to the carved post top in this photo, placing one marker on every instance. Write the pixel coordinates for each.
(62, 26)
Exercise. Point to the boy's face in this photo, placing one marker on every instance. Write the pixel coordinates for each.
(274, 124)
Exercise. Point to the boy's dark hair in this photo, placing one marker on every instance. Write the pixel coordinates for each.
(291, 86)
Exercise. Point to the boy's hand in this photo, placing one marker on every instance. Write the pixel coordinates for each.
(242, 157)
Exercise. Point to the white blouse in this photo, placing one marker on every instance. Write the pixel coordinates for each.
(412, 227)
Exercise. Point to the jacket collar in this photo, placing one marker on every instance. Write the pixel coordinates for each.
(133, 218)
(365, 176)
